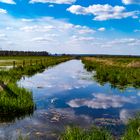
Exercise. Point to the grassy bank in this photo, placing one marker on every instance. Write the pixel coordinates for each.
(77, 133)
(15, 100)
(132, 132)
(120, 72)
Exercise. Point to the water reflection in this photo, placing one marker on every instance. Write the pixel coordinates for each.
(66, 94)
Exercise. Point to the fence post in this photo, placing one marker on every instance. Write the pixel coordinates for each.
(41, 61)
(36, 62)
(30, 62)
(14, 63)
(23, 63)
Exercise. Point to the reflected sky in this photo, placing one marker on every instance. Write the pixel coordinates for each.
(67, 94)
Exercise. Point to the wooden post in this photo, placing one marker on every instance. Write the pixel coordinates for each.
(30, 62)
(14, 64)
(23, 63)
(36, 62)
(41, 61)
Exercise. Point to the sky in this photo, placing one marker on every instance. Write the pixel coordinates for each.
(71, 26)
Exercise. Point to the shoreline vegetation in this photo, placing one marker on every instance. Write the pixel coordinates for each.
(15, 101)
(132, 132)
(120, 72)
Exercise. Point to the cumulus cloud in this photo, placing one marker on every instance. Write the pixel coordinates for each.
(37, 28)
(8, 1)
(103, 12)
(53, 1)
(102, 29)
(131, 1)
(102, 101)
(41, 39)
(60, 36)
(124, 41)
(3, 11)
(51, 5)
(3, 37)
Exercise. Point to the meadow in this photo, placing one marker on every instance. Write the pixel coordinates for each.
(14, 100)
(118, 71)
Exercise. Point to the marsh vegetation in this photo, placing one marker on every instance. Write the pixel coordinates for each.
(132, 132)
(118, 71)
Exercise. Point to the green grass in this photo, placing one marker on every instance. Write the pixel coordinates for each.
(95, 133)
(8, 60)
(132, 132)
(119, 72)
(132, 129)
(17, 100)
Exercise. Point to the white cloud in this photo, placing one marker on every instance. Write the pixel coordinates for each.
(53, 1)
(51, 5)
(102, 29)
(26, 20)
(8, 1)
(3, 11)
(125, 41)
(131, 1)
(103, 12)
(41, 39)
(3, 37)
(37, 28)
(102, 101)
(60, 36)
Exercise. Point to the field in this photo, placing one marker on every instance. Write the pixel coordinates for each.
(19, 60)
(118, 71)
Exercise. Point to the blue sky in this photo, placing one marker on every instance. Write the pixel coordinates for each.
(71, 26)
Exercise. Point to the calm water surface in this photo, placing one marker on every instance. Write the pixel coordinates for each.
(67, 94)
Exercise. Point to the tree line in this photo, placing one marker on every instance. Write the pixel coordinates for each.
(23, 53)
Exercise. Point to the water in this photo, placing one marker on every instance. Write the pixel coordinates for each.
(67, 94)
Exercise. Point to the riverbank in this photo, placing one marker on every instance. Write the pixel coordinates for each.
(132, 132)
(119, 72)
(18, 101)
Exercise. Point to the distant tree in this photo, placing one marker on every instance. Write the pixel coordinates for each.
(23, 53)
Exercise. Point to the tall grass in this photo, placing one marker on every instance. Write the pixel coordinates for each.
(133, 129)
(95, 133)
(117, 72)
(132, 132)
